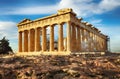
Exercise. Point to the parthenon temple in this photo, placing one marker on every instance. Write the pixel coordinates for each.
(61, 33)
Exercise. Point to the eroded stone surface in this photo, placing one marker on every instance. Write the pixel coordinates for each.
(59, 67)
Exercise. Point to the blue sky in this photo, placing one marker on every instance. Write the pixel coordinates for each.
(103, 14)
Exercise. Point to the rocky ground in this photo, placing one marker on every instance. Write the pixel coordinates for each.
(59, 67)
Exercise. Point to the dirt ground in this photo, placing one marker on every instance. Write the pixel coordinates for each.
(59, 67)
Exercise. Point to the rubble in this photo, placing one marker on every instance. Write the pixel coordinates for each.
(59, 67)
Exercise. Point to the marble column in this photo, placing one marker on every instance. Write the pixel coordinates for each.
(60, 40)
(74, 46)
(25, 41)
(103, 44)
(68, 36)
(51, 38)
(37, 39)
(78, 39)
(92, 40)
(89, 41)
(97, 43)
(72, 38)
(32, 40)
(44, 39)
(97, 38)
(100, 43)
(83, 38)
(20, 42)
(106, 44)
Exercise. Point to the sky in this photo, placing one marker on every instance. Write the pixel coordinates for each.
(103, 14)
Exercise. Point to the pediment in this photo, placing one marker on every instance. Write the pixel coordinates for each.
(25, 21)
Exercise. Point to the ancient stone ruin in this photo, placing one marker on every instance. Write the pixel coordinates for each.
(80, 36)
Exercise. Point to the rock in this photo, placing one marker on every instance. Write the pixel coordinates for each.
(73, 73)
(99, 76)
(84, 77)
(65, 70)
(59, 67)
(59, 76)
(83, 62)
(74, 65)
(29, 72)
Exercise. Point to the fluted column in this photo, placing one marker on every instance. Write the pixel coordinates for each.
(83, 38)
(78, 39)
(44, 39)
(51, 38)
(32, 40)
(68, 36)
(25, 41)
(60, 41)
(97, 44)
(37, 39)
(94, 44)
(20, 42)
(106, 44)
(29, 40)
(72, 38)
(74, 46)
(89, 41)
(94, 47)
(99, 48)
(103, 44)
(100, 43)
(92, 41)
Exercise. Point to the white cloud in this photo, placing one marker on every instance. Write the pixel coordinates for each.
(29, 10)
(83, 8)
(9, 30)
(108, 5)
(6, 25)
(35, 10)
(87, 7)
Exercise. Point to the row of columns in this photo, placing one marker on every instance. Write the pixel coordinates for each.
(76, 37)
(31, 38)
(81, 37)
